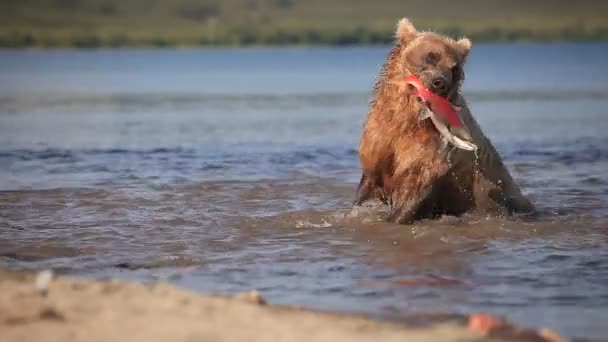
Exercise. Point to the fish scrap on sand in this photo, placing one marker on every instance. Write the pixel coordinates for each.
(46, 308)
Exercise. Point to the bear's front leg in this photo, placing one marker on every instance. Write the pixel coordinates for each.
(413, 186)
(370, 187)
(365, 191)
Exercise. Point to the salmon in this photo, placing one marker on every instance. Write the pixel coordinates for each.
(443, 114)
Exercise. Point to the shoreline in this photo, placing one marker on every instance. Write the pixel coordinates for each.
(68, 48)
(186, 47)
(41, 307)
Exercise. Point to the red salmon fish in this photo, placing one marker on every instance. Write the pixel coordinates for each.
(439, 105)
(443, 114)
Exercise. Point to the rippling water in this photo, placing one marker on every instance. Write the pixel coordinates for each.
(227, 170)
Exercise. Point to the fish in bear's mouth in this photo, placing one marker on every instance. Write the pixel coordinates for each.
(443, 114)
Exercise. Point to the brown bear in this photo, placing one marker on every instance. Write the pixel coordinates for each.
(404, 160)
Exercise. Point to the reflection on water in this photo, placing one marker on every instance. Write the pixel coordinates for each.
(162, 165)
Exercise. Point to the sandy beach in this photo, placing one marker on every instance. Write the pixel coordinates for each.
(33, 308)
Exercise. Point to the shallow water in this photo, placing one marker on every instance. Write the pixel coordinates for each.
(227, 170)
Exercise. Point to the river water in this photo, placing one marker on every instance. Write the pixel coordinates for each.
(229, 170)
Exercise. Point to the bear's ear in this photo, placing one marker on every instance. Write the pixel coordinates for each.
(464, 46)
(405, 31)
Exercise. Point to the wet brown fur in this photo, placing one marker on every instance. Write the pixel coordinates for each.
(404, 161)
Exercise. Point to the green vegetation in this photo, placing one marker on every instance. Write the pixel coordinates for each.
(139, 23)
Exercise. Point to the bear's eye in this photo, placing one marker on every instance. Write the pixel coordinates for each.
(431, 58)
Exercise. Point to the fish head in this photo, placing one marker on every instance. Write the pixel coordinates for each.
(437, 60)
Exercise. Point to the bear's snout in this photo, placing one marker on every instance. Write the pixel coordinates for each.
(440, 85)
(437, 82)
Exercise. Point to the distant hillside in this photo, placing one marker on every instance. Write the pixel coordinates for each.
(120, 23)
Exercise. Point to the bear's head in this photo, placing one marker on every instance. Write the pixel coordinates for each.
(436, 59)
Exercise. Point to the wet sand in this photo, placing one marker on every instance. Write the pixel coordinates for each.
(66, 309)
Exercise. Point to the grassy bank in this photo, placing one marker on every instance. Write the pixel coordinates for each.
(140, 23)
